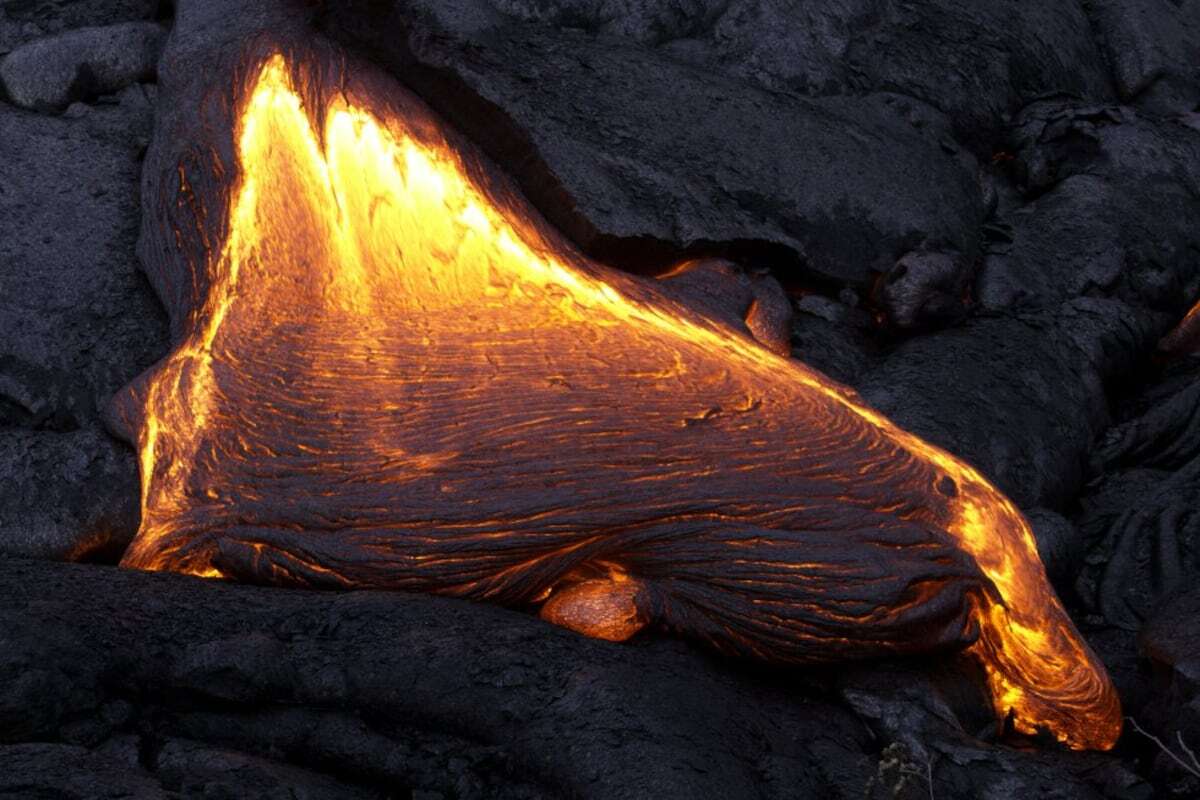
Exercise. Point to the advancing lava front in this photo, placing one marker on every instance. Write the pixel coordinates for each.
(388, 373)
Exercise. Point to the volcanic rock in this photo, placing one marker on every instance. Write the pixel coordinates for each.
(1060, 544)
(38, 770)
(927, 51)
(1114, 193)
(635, 154)
(1091, 258)
(924, 290)
(79, 321)
(48, 74)
(1021, 397)
(204, 683)
(724, 292)
(1064, 243)
(1154, 49)
(1138, 517)
(834, 337)
(1170, 642)
(177, 768)
(25, 20)
(930, 715)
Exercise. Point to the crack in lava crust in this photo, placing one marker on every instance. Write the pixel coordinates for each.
(396, 380)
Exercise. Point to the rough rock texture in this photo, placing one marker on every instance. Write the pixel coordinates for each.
(49, 74)
(709, 128)
(1022, 397)
(1060, 543)
(1142, 544)
(1091, 258)
(974, 61)
(924, 290)
(25, 20)
(135, 682)
(720, 290)
(1139, 515)
(79, 321)
(628, 150)
(1154, 49)
(1111, 198)
(1170, 643)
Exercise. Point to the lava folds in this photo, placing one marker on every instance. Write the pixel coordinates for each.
(395, 376)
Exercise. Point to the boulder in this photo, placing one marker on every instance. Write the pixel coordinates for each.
(49, 74)
(1154, 49)
(925, 290)
(78, 322)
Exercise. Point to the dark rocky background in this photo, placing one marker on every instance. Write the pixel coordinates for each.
(986, 215)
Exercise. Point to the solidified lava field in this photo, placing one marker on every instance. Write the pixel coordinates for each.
(831, 346)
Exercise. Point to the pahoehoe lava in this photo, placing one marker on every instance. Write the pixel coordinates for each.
(388, 372)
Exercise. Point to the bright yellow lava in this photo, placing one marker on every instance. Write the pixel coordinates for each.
(412, 237)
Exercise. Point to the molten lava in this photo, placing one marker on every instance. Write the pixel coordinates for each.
(397, 377)
(1184, 338)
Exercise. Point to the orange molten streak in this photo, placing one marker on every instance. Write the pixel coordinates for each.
(366, 228)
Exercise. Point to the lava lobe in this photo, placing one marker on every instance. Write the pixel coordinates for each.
(387, 372)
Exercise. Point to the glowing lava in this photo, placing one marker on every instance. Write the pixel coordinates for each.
(397, 380)
(1184, 338)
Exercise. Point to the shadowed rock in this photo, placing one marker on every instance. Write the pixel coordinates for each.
(726, 293)
(634, 154)
(932, 52)
(1170, 645)
(48, 74)
(924, 290)
(1154, 49)
(115, 683)
(1139, 516)
(78, 322)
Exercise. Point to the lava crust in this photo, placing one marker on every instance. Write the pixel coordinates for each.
(388, 372)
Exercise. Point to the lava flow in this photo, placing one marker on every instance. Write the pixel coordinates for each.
(1184, 338)
(397, 377)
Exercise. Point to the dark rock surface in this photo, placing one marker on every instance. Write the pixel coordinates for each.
(1139, 515)
(986, 216)
(924, 290)
(135, 682)
(723, 291)
(1170, 643)
(1154, 49)
(1091, 259)
(79, 321)
(49, 74)
(973, 61)
(628, 150)
(26, 20)
(1020, 396)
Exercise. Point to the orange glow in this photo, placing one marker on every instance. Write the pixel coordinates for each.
(382, 344)
(1184, 338)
